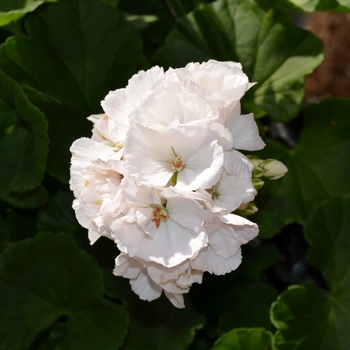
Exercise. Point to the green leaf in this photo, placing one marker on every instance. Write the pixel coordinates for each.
(4, 233)
(46, 280)
(273, 51)
(328, 235)
(24, 145)
(345, 3)
(59, 216)
(311, 318)
(157, 324)
(254, 338)
(161, 326)
(248, 305)
(68, 63)
(11, 10)
(318, 168)
(29, 199)
(258, 258)
(22, 225)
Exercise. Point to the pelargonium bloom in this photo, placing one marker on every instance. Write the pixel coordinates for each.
(163, 173)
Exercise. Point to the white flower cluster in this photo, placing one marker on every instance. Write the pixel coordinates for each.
(161, 176)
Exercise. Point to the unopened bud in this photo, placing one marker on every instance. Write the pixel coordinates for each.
(246, 209)
(274, 169)
(257, 183)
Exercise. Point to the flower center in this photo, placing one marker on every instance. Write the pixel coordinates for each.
(214, 193)
(118, 146)
(177, 163)
(159, 215)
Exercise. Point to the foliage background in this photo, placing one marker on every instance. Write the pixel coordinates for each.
(57, 62)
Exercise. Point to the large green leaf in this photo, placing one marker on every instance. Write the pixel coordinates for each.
(47, 280)
(273, 51)
(21, 225)
(311, 318)
(58, 216)
(76, 51)
(23, 144)
(245, 339)
(318, 168)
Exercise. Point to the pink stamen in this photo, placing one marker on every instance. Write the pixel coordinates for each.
(177, 163)
(159, 215)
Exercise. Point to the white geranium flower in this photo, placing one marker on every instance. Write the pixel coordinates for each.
(223, 80)
(166, 232)
(119, 104)
(190, 152)
(149, 280)
(230, 192)
(172, 103)
(162, 174)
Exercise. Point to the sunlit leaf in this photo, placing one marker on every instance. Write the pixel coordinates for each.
(273, 51)
(253, 338)
(11, 10)
(315, 5)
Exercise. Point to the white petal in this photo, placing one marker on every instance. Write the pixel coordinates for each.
(127, 267)
(93, 236)
(85, 150)
(141, 83)
(118, 107)
(225, 137)
(170, 244)
(147, 156)
(245, 230)
(232, 191)
(224, 242)
(185, 212)
(208, 260)
(246, 134)
(145, 288)
(238, 164)
(176, 299)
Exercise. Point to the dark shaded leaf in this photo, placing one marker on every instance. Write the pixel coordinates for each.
(68, 64)
(24, 145)
(47, 278)
(318, 168)
(157, 324)
(312, 318)
(59, 216)
(248, 305)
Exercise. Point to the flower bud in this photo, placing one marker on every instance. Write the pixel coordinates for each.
(257, 183)
(246, 209)
(274, 169)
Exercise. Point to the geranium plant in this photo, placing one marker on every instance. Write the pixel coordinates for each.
(165, 183)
